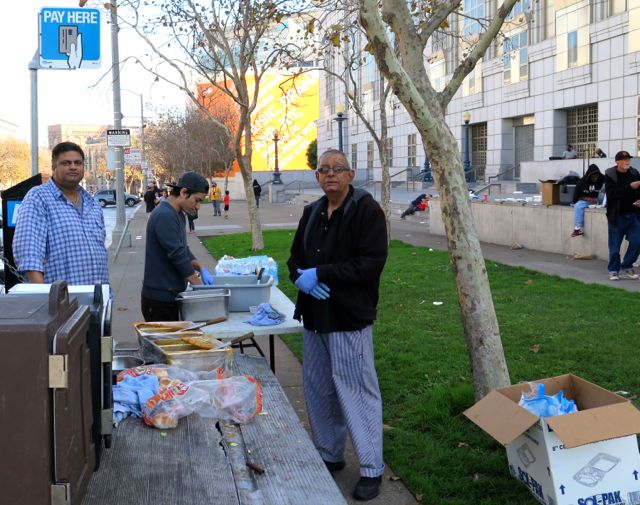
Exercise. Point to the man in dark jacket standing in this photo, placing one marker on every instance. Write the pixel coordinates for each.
(623, 208)
(337, 258)
(257, 191)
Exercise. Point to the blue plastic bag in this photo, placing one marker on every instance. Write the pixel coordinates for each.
(542, 405)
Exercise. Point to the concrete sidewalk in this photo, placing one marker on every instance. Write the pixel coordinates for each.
(126, 277)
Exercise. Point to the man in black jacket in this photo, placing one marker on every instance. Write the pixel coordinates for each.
(337, 258)
(621, 185)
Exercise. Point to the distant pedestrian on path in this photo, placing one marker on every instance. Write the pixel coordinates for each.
(337, 257)
(191, 217)
(226, 200)
(60, 230)
(587, 192)
(169, 264)
(257, 191)
(216, 197)
(150, 198)
(622, 183)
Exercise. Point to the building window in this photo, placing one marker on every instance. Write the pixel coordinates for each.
(473, 14)
(479, 149)
(370, 154)
(572, 49)
(516, 58)
(354, 156)
(389, 150)
(520, 7)
(411, 150)
(582, 130)
(437, 74)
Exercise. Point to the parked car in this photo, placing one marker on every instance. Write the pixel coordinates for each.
(108, 197)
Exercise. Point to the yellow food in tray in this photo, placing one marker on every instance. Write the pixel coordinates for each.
(202, 342)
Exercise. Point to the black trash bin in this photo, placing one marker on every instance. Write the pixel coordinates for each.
(11, 199)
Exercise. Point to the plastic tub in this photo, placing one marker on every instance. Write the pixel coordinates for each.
(246, 291)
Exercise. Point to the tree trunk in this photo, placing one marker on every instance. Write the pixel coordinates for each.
(474, 294)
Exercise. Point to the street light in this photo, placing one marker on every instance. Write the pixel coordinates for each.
(340, 118)
(466, 158)
(143, 159)
(276, 169)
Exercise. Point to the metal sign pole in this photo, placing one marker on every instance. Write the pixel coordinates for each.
(117, 121)
(34, 65)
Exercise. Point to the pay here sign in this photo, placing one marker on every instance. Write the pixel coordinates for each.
(69, 38)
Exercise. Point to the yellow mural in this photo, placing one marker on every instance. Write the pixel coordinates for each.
(290, 107)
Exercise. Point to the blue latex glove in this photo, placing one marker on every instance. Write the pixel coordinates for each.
(206, 277)
(320, 291)
(307, 281)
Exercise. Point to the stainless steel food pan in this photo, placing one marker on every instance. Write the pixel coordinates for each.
(203, 305)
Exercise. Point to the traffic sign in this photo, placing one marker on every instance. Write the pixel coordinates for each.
(132, 156)
(119, 138)
(69, 38)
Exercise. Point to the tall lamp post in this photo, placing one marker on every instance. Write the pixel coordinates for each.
(276, 169)
(340, 118)
(117, 121)
(143, 159)
(466, 158)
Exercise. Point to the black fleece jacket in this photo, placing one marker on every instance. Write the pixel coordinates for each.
(618, 189)
(349, 252)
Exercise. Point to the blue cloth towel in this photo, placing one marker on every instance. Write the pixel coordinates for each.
(266, 315)
(131, 393)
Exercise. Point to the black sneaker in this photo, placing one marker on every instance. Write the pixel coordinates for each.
(367, 488)
(577, 232)
(335, 466)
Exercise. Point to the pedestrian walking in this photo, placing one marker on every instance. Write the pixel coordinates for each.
(257, 191)
(226, 200)
(337, 257)
(60, 231)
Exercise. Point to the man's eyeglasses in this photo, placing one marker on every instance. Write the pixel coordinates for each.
(336, 170)
(68, 163)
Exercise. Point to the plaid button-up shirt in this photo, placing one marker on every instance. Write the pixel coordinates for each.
(53, 237)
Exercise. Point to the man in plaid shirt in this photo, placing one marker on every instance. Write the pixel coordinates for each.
(60, 230)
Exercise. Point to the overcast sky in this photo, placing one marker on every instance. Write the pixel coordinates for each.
(70, 96)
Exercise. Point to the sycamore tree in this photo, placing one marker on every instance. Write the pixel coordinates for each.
(398, 32)
(228, 45)
(346, 63)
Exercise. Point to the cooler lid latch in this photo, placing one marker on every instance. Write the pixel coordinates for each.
(58, 374)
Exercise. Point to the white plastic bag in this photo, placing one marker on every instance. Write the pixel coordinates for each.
(251, 265)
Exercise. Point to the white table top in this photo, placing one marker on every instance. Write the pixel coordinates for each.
(234, 325)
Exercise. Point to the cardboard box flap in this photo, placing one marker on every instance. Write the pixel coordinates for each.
(550, 181)
(500, 417)
(594, 425)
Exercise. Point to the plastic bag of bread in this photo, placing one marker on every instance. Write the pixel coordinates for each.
(236, 399)
(174, 372)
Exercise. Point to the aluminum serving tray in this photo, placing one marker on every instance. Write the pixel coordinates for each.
(177, 352)
(204, 305)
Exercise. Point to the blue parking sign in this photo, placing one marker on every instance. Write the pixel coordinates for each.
(69, 38)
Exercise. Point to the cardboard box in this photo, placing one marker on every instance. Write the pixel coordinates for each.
(550, 192)
(586, 458)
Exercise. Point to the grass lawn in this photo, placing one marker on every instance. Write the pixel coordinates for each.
(549, 326)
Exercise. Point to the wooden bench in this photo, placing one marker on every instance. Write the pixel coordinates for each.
(204, 461)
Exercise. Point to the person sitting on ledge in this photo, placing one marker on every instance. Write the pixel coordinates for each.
(587, 192)
(570, 153)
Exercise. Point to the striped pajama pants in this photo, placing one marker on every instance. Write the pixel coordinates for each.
(342, 393)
